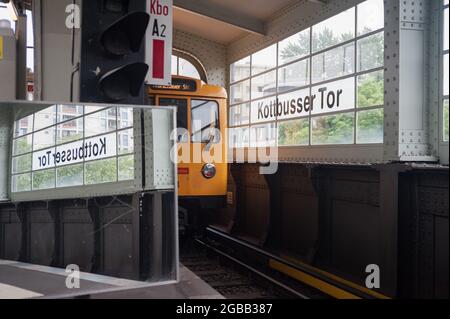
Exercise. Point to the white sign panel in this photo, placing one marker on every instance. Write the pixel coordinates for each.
(158, 42)
(88, 150)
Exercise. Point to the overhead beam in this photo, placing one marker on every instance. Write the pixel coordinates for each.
(232, 17)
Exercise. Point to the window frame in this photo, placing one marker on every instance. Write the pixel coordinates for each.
(355, 74)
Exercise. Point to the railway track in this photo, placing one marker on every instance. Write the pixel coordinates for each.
(231, 278)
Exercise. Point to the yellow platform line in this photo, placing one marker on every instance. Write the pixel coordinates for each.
(337, 279)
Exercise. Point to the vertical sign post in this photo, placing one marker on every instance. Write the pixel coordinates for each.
(158, 43)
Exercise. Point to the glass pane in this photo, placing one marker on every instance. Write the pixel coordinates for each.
(44, 159)
(369, 126)
(126, 168)
(371, 89)
(43, 139)
(72, 153)
(69, 176)
(22, 145)
(264, 84)
(371, 52)
(44, 179)
(334, 30)
(125, 117)
(69, 131)
(294, 104)
(263, 110)
(103, 171)
(174, 65)
(264, 135)
(239, 114)
(23, 126)
(101, 122)
(240, 70)
(92, 109)
(293, 76)
(333, 97)
(21, 183)
(446, 26)
(240, 92)
(333, 129)
(45, 118)
(334, 63)
(370, 16)
(239, 137)
(445, 119)
(205, 119)
(30, 33)
(68, 112)
(21, 164)
(30, 62)
(293, 132)
(186, 68)
(126, 141)
(264, 60)
(446, 74)
(294, 47)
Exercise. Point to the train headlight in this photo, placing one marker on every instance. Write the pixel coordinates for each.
(209, 171)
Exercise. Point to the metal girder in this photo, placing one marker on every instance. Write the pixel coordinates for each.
(232, 17)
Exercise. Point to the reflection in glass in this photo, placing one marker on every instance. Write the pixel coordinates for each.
(69, 131)
(125, 117)
(294, 47)
(126, 141)
(446, 121)
(126, 168)
(45, 118)
(332, 129)
(264, 60)
(369, 126)
(370, 16)
(21, 164)
(445, 84)
(446, 26)
(22, 145)
(239, 114)
(240, 92)
(240, 70)
(21, 183)
(43, 139)
(334, 30)
(103, 171)
(264, 84)
(69, 176)
(371, 89)
(44, 179)
(371, 52)
(293, 132)
(68, 112)
(23, 126)
(101, 122)
(293, 76)
(333, 63)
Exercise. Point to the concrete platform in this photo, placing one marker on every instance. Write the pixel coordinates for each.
(24, 281)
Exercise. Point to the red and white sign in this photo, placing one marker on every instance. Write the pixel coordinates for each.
(159, 42)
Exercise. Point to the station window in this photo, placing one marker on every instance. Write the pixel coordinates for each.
(72, 145)
(445, 73)
(321, 86)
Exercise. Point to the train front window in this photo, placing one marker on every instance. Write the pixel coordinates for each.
(182, 110)
(205, 121)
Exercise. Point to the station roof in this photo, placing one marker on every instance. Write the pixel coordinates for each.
(225, 21)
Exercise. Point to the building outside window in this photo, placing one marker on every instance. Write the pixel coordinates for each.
(321, 86)
(445, 73)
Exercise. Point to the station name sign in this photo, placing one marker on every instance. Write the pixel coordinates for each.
(177, 85)
(331, 97)
(84, 150)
